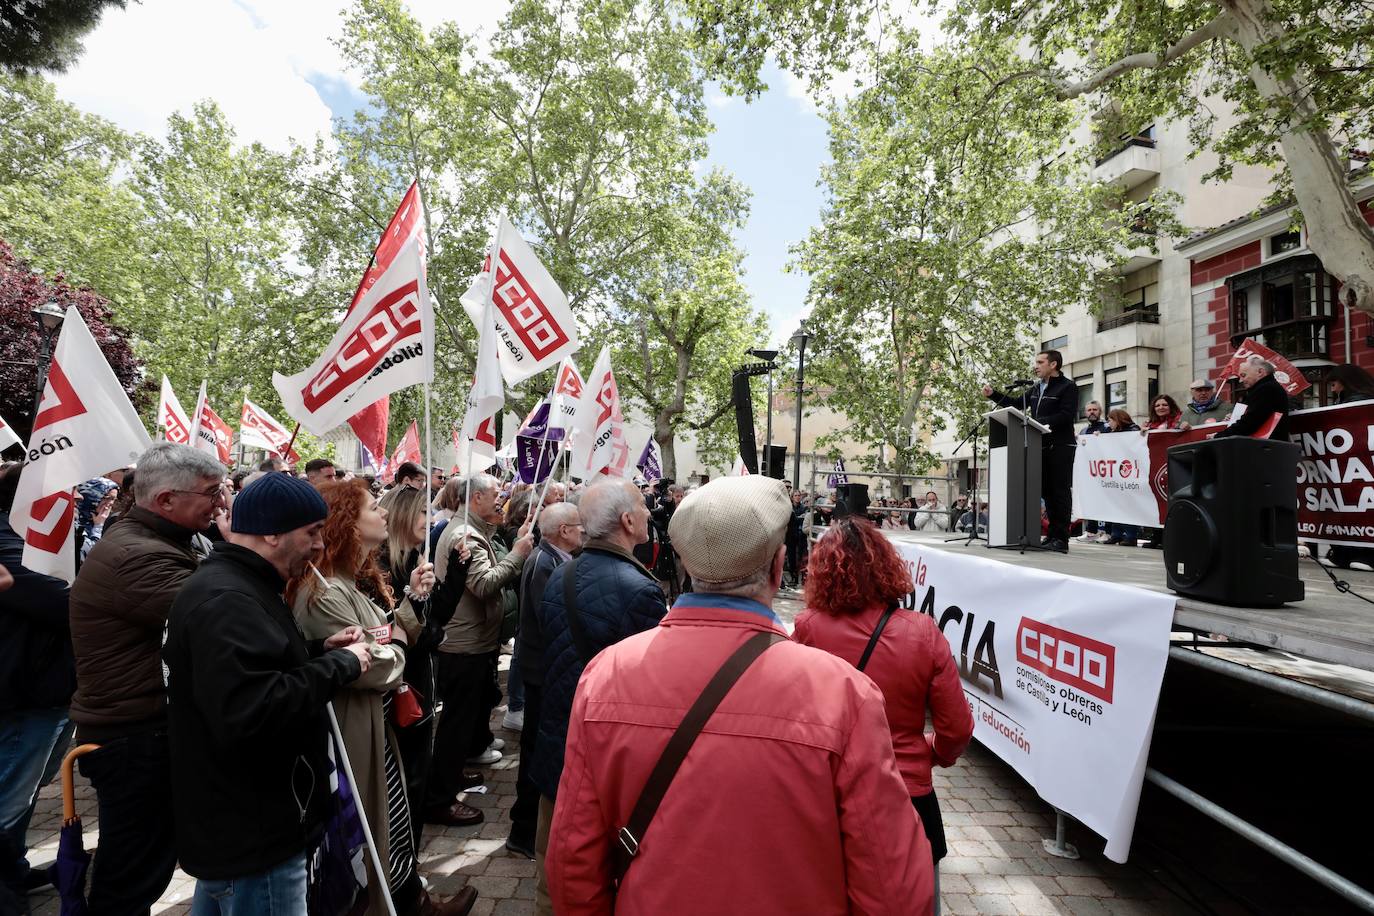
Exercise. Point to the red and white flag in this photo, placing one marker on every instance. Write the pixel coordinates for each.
(532, 314)
(408, 449)
(84, 427)
(599, 445)
(370, 426)
(1285, 373)
(739, 469)
(208, 432)
(487, 395)
(563, 400)
(385, 343)
(257, 429)
(172, 422)
(8, 436)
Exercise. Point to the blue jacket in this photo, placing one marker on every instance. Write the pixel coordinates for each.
(616, 597)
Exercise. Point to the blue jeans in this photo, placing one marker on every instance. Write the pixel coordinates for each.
(32, 744)
(279, 891)
(515, 684)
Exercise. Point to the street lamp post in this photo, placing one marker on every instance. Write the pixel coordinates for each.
(768, 356)
(49, 317)
(799, 338)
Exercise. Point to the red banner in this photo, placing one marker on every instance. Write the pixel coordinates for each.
(1335, 482)
(1285, 373)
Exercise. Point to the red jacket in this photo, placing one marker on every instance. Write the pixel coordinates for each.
(913, 666)
(788, 802)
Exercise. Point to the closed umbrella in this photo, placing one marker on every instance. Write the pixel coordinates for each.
(68, 873)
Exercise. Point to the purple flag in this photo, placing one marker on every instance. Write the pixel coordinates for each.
(536, 446)
(839, 478)
(336, 877)
(650, 461)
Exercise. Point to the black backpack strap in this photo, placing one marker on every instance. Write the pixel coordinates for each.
(630, 836)
(873, 640)
(575, 628)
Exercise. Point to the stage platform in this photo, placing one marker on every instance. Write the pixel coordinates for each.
(1327, 626)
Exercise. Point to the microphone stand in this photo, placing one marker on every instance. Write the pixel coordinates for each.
(973, 534)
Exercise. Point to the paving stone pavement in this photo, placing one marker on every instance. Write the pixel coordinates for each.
(993, 821)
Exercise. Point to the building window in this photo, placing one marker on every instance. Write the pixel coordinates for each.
(1284, 242)
(1153, 373)
(1116, 389)
(1085, 393)
(1059, 343)
(1136, 306)
(1287, 306)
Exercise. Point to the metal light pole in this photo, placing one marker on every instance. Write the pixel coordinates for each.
(799, 338)
(768, 356)
(49, 316)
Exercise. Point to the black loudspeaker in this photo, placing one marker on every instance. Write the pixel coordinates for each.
(777, 461)
(744, 421)
(1231, 533)
(852, 498)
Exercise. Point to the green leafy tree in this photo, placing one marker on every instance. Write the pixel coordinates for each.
(934, 257)
(45, 35)
(1295, 73)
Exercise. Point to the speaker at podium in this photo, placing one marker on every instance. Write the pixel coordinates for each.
(1013, 478)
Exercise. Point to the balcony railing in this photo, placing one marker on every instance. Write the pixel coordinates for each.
(1134, 316)
(1141, 141)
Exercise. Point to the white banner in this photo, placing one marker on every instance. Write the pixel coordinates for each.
(1111, 480)
(386, 343)
(85, 426)
(1062, 675)
(531, 313)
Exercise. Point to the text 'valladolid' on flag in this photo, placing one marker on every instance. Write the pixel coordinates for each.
(598, 445)
(650, 461)
(209, 433)
(84, 427)
(8, 436)
(172, 422)
(532, 316)
(257, 429)
(385, 343)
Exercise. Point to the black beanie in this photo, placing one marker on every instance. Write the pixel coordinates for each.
(277, 503)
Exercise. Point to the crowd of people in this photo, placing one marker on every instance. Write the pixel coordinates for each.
(221, 628)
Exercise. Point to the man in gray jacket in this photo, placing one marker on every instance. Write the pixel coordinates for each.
(467, 657)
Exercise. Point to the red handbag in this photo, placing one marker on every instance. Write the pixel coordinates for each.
(405, 706)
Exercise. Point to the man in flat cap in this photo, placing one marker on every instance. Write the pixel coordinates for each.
(787, 799)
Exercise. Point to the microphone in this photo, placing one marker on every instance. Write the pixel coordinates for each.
(1023, 383)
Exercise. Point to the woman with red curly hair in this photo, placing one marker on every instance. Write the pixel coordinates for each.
(349, 588)
(855, 583)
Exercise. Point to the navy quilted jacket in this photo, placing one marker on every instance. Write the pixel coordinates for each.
(616, 597)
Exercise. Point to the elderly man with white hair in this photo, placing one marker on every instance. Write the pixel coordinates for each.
(715, 762)
(1266, 403)
(592, 601)
(471, 613)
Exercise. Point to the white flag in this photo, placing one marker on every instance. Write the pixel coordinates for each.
(209, 433)
(563, 400)
(85, 426)
(739, 469)
(8, 436)
(385, 344)
(599, 445)
(172, 422)
(257, 429)
(532, 314)
(487, 395)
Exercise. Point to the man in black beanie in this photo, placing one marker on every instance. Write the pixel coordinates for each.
(246, 697)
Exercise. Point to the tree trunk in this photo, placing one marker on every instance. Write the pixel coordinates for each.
(1336, 231)
(663, 435)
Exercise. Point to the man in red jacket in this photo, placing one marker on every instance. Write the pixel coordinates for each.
(789, 800)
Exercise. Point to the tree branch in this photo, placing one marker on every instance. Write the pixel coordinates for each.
(1219, 26)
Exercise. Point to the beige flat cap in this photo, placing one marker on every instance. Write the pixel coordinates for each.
(730, 527)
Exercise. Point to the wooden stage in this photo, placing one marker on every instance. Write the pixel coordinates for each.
(1327, 626)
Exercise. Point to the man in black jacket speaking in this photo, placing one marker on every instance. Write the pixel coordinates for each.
(246, 703)
(1266, 403)
(1051, 399)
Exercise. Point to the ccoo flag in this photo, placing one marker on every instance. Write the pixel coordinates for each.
(487, 395)
(532, 314)
(563, 400)
(172, 422)
(84, 427)
(257, 429)
(385, 343)
(650, 461)
(598, 445)
(8, 436)
(208, 432)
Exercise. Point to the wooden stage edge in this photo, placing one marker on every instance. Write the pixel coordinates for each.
(1327, 626)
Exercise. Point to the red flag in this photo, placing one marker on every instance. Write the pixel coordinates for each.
(407, 450)
(369, 425)
(1285, 373)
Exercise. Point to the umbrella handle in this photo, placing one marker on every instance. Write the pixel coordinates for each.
(69, 790)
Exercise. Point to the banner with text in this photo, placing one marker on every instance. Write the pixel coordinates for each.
(1062, 675)
(1334, 488)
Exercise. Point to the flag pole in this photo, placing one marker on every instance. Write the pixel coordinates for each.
(381, 873)
(292, 442)
(467, 486)
(429, 470)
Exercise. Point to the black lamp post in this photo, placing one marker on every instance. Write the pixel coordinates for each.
(800, 338)
(49, 316)
(768, 356)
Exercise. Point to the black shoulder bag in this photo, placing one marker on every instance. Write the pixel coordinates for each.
(873, 640)
(660, 778)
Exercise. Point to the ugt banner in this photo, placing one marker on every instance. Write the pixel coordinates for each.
(1111, 479)
(1062, 675)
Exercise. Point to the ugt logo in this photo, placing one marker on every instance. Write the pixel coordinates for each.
(395, 317)
(526, 314)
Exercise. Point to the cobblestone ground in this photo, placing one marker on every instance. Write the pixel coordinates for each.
(994, 823)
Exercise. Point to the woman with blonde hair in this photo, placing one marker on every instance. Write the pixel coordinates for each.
(349, 588)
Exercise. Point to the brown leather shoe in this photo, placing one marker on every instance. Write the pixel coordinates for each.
(455, 815)
(458, 905)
